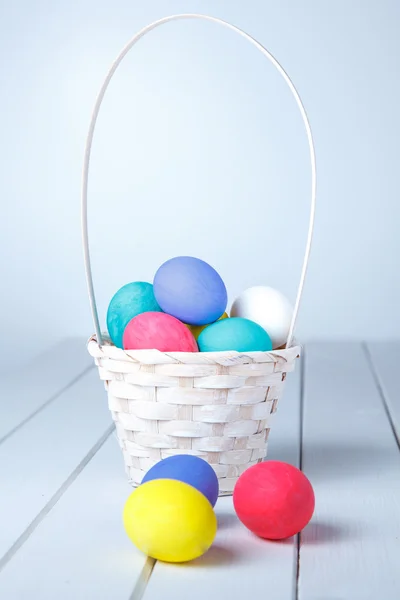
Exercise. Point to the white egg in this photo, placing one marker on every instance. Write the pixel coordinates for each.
(267, 307)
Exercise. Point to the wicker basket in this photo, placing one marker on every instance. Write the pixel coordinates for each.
(215, 405)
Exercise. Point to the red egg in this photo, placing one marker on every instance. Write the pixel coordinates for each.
(156, 330)
(274, 500)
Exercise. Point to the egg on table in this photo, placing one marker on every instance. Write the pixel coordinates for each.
(273, 499)
(190, 469)
(170, 520)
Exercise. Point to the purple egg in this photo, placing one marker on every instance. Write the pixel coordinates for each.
(190, 290)
(193, 470)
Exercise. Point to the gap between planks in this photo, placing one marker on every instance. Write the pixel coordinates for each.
(300, 465)
(350, 549)
(44, 405)
(40, 457)
(54, 499)
(38, 383)
(80, 550)
(144, 577)
(379, 381)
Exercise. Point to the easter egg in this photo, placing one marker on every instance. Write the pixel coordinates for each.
(169, 520)
(267, 307)
(274, 500)
(157, 330)
(197, 329)
(130, 300)
(237, 334)
(190, 290)
(192, 470)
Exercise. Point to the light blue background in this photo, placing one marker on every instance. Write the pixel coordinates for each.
(200, 150)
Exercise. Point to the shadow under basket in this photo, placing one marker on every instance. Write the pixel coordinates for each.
(218, 405)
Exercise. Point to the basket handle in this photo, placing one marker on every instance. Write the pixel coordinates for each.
(89, 140)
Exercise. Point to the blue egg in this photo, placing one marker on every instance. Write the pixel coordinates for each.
(190, 290)
(189, 469)
(235, 333)
(131, 300)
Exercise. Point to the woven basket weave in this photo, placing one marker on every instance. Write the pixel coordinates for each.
(215, 405)
(218, 406)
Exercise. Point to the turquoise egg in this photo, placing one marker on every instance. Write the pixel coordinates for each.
(131, 300)
(237, 334)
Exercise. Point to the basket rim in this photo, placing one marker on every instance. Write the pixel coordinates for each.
(109, 350)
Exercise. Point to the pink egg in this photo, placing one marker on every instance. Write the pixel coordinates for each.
(157, 330)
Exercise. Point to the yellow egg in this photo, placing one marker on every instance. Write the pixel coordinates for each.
(170, 520)
(197, 329)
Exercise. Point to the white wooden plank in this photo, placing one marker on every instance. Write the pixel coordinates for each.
(39, 457)
(351, 550)
(239, 564)
(80, 551)
(25, 391)
(385, 362)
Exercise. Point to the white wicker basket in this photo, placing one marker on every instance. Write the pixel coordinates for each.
(215, 405)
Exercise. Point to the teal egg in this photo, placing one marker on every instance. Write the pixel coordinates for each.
(131, 300)
(237, 334)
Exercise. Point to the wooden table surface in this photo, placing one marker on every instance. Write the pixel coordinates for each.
(64, 488)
